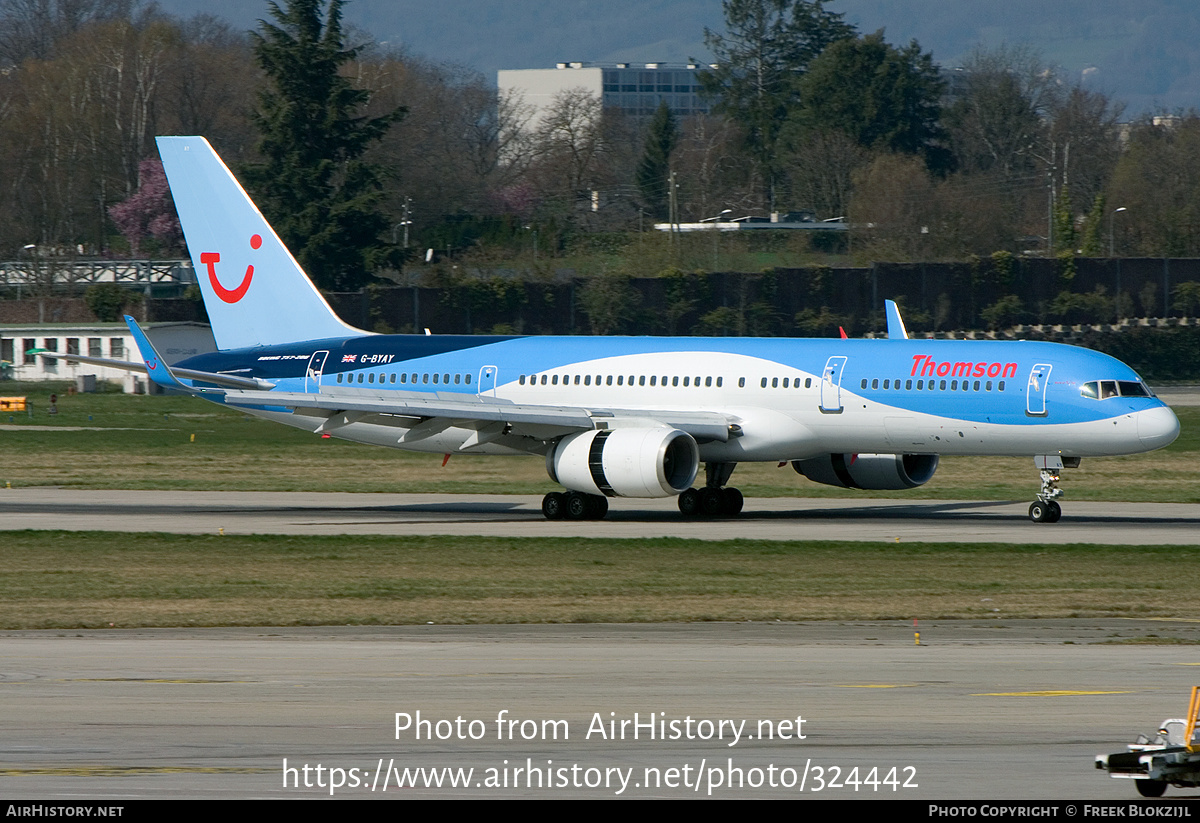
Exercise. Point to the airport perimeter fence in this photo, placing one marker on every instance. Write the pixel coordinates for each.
(937, 298)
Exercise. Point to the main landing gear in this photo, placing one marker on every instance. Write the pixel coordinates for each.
(1046, 508)
(574, 506)
(715, 499)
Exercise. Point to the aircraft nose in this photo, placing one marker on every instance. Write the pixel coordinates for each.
(1157, 427)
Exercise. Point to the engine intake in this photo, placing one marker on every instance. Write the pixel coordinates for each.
(633, 462)
(878, 472)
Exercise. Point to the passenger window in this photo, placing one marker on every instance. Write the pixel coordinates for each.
(908, 385)
(1000, 385)
(864, 382)
(718, 382)
(468, 381)
(339, 378)
(875, 383)
(741, 382)
(785, 382)
(608, 380)
(674, 381)
(457, 378)
(764, 382)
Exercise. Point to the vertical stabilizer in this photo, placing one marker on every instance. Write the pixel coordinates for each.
(255, 292)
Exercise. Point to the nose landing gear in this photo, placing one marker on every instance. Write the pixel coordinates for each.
(1046, 508)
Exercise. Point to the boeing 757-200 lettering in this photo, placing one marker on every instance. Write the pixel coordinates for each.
(633, 416)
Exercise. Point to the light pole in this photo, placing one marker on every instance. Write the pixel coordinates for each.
(1111, 236)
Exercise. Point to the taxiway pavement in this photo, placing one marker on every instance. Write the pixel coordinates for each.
(195, 512)
(982, 709)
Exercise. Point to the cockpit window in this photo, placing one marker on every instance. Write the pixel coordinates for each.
(1104, 389)
(1131, 389)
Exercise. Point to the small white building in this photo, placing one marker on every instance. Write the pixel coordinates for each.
(174, 341)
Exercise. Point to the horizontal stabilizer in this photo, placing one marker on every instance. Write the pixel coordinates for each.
(228, 381)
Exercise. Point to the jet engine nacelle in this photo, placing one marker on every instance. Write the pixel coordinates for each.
(878, 472)
(634, 462)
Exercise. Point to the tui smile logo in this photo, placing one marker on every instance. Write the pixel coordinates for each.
(211, 258)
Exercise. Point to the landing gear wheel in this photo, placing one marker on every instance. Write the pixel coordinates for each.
(598, 507)
(1048, 512)
(1053, 512)
(1151, 788)
(733, 501)
(712, 502)
(689, 502)
(578, 507)
(553, 506)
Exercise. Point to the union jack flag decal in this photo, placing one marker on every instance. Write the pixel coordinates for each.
(348, 358)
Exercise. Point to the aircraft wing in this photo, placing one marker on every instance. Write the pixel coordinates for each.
(701, 425)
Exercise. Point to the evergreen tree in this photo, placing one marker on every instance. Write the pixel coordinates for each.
(314, 186)
(653, 172)
(768, 47)
(883, 97)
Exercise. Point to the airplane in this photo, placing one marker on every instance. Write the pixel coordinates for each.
(632, 416)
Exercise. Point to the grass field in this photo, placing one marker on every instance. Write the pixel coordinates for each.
(147, 443)
(67, 580)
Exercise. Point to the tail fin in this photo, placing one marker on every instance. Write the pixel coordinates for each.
(255, 292)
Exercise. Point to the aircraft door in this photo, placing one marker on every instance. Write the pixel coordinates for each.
(1035, 390)
(831, 385)
(312, 374)
(487, 381)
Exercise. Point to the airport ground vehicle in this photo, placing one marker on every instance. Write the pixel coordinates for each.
(1171, 757)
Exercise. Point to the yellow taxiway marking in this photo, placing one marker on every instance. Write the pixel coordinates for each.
(1046, 693)
(876, 685)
